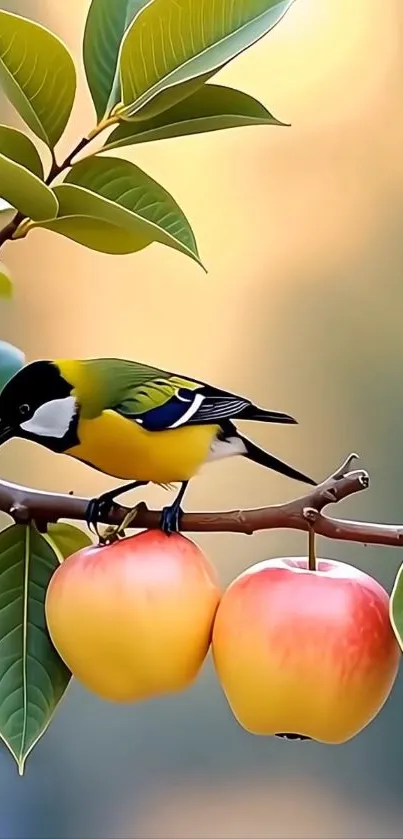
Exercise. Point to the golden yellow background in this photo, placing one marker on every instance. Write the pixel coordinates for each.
(301, 310)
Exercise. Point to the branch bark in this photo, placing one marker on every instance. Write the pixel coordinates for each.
(24, 504)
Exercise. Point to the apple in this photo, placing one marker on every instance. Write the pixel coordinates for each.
(305, 653)
(133, 619)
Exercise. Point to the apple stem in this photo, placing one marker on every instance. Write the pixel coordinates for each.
(311, 550)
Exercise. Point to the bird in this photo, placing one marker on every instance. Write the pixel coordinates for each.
(133, 422)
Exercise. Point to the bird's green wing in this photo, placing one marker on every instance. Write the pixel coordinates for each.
(155, 393)
(168, 401)
(128, 387)
(155, 398)
(102, 383)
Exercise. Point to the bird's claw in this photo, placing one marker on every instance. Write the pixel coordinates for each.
(100, 508)
(170, 519)
(97, 509)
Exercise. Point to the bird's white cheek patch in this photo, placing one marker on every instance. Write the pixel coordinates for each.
(52, 419)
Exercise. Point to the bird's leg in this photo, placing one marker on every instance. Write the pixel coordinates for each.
(170, 516)
(99, 508)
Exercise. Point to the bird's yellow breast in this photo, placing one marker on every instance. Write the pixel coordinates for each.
(123, 449)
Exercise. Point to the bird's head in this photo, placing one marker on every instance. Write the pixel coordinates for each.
(37, 404)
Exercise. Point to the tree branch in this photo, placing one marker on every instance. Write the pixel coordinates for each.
(25, 504)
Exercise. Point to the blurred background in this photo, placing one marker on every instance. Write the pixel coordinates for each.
(301, 310)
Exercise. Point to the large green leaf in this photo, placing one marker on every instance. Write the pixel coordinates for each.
(67, 538)
(211, 108)
(37, 74)
(106, 24)
(18, 147)
(33, 678)
(6, 283)
(25, 191)
(121, 209)
(94, 233)
(11, 360)
(173, 46)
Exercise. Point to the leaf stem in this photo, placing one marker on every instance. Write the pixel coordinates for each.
(107, 122)
(311, 549)
(23, 229)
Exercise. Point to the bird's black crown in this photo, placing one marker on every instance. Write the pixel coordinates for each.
(31, 387)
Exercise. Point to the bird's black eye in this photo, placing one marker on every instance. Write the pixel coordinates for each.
(24, 410)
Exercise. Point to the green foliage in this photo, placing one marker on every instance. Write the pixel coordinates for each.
(211, 108)
(106, 24)
(173, 46)
(18, 147)
(33, 677)
(67, 539)
(37, 74)
(146, 63)
(6, 283)
(124, 199)
(21, 176)
(396, 606)
(26, 191)
(11, 360)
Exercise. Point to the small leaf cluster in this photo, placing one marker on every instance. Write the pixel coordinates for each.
(148, 64)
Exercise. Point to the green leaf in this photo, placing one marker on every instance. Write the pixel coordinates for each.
(6, 283)
(111, 205)
(33, 678)
(396, 607)
(37, 74)
(173, 46)
(7, 213)
(67, 538)
(11, 360)
(211, 108)
(104, 29)
(94, 233)
(26, 191)
(18, 147)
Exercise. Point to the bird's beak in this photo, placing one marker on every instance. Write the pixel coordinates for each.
(6, 432)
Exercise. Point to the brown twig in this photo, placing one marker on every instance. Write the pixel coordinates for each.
(303, 513)
(8, 231)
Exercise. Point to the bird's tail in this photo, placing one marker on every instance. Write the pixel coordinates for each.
(267, 460)
(252, 412)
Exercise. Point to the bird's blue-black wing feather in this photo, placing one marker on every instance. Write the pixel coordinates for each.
(163, 404)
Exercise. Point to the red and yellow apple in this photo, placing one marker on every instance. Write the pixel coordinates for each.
(302, 652)
(133, 619)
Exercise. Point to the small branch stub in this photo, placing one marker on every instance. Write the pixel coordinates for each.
(20, 513)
